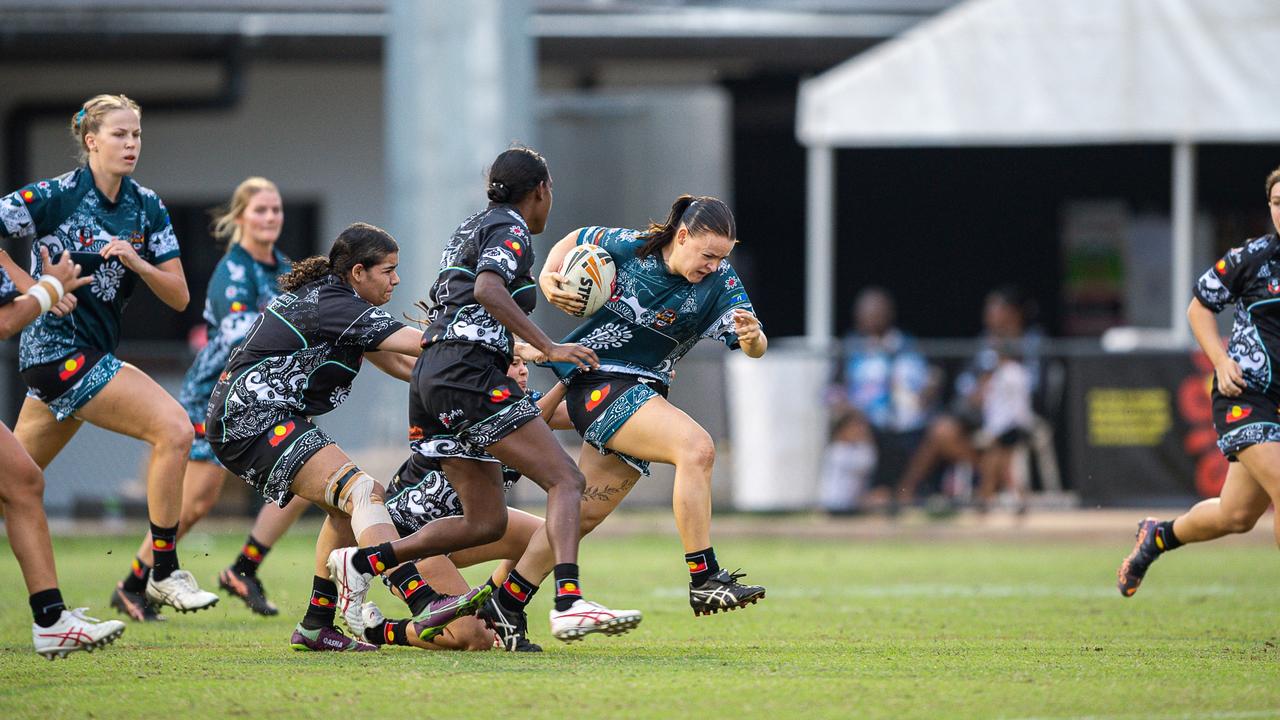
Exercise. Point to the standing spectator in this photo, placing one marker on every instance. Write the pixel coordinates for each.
(882, 377)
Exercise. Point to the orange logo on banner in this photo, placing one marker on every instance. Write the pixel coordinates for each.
(237, 306)
(1221, 267)
(28, 196)
(497, 395)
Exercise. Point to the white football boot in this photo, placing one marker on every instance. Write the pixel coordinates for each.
(585, 617)
(180, 592)
(353, 586)
(74, 631)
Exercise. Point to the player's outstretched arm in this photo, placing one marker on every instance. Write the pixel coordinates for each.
(550, 279)
(52, 291)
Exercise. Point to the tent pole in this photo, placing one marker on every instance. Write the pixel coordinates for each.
(1184, 200)
(820, 267)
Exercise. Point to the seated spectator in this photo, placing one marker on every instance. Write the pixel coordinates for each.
(950, 438)
(880, 375)
(847, 465)
(1006, 423)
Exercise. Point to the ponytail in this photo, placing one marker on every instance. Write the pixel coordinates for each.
(698, 214)
(305, 271)
(516, 173)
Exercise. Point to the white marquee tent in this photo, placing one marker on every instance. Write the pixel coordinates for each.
(1040, 72)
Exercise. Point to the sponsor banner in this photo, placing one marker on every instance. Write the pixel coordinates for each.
(1140, 429)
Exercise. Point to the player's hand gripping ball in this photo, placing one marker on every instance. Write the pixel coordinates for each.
(589, 274)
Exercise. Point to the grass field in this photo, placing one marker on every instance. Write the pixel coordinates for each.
(900, 628)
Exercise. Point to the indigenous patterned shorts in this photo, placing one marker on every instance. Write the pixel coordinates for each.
(270, 461)
(601, 402)
(1250, 418)
(461, 402)
(69, 383)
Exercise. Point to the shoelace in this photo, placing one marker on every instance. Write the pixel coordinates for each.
(185, 579)
(78, 613)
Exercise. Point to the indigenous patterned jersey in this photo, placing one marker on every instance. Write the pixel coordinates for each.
(655, 317)
(299, 358)
(496, 240)
(70, 213)
(239, 292)
(8, 291)
(1249, 278)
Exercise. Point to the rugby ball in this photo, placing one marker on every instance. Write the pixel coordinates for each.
(589, 273)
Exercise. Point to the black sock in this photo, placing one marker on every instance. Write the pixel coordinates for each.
(47, 607)
(415, 591)
(136, 581)
(164, 546)
(375, 560)
(702, 565)
(515, 593)
(390, 632)
(250, 557)
(323, 606)
(568, 589)
(1165, 539)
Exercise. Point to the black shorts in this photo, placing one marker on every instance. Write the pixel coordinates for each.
(600, 403)
(461, 402)
(416, 498)
(70, 382)
(1011, 437)
(1250, 418)
(270, 461)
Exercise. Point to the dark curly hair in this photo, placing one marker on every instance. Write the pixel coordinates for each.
(359, 244)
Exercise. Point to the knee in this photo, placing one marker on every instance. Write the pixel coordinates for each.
(173, 431)
(489, 528)
(471, 634)
(698, 453)
(570, 479)
(944, 428)
(23, 484)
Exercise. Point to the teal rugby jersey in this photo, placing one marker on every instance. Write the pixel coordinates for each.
(239, 290)
(69, 213)
(654, 317)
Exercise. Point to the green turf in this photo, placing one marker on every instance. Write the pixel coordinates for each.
(850, 629)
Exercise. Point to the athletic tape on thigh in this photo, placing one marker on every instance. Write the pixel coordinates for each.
(353, 485)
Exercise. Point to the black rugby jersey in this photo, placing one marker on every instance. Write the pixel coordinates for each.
(496, 239)
(299, 358)
(1249, 278)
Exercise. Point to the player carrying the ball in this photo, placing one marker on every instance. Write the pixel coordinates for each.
(674, 287)
(472, 419)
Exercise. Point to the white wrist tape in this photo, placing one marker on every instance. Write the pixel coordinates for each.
(42, 296)
(56, 284)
